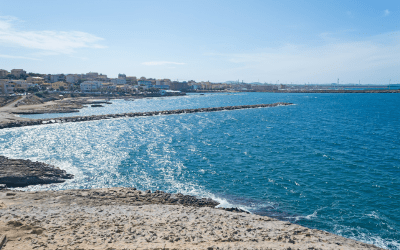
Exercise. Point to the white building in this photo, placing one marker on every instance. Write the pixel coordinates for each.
(88, 86)
(163, 82)
(92, 75)
(21, 84)
(3, 73)
(72, 78)
(111, 88)
(17, 73)
(54, 78)
(35, 80)
(144, 83)
(131, 80)
(6, 87)
(118, 81)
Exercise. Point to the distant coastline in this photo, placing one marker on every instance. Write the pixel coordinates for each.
(382, 91)
(334, 91)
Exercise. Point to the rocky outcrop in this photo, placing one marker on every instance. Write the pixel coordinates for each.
(119, 196)
(150, 113)
(126, 218)
(22, 173)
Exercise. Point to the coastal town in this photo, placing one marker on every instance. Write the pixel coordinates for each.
(18, 81)
(123, 217)
(199, 125)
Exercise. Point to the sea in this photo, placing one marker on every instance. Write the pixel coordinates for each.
(329, 161)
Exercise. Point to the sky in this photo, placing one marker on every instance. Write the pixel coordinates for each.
(252, 41)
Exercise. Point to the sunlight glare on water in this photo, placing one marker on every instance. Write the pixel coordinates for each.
(331, 161)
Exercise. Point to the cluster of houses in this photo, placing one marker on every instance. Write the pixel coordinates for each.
(17, 80)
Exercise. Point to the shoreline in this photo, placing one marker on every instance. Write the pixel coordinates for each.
(32, 104)
(31, 122)
(54, 219)
(126, 218)
(335, 91)
(305, 91)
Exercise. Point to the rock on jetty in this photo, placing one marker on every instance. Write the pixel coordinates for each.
(22, 173)
(126, 218)
(150, 113)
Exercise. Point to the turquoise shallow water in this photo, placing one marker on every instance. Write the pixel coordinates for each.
(331, 161)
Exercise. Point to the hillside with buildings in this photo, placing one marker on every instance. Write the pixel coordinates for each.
(19, 81)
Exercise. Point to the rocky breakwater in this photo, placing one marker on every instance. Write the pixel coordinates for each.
(136, 114)
(22, 173)
(126, 218)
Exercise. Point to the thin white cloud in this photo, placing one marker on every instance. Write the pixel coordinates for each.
(157, 63)
(349, 14)
(321, 62)
(386, 12)
(18, 57)
(57, 42)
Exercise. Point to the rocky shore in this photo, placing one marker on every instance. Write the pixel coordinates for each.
(60, 106)
(22, 173)
(22, 123)
(126, 218)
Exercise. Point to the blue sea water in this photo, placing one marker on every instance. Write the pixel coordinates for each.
(331, 161)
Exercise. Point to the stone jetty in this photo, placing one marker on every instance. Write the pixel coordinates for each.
(135, 114)
(22, 173)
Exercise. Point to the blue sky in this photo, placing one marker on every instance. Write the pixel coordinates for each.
(266, 41)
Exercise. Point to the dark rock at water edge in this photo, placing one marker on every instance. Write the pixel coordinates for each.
(234, 209)
(22, 173)
(117, 196)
